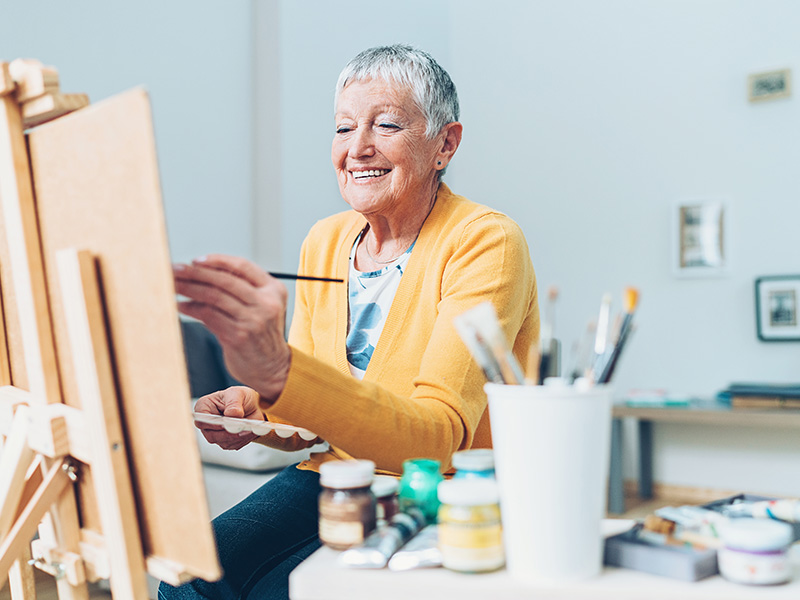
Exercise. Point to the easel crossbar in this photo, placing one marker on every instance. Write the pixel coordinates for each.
(55, 482)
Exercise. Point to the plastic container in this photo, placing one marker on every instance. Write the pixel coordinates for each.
(478, 462)
(551, 449)
(756, 552)
(385, 489)
(418, 485)
(470, 530)
(347, 506)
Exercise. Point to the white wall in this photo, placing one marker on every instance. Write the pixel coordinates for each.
(587, 121)
(195, 58)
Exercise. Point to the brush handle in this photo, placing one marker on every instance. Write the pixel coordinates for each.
(304, 277)
(608, 370)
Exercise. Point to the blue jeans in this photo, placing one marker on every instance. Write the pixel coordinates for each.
(260, 541)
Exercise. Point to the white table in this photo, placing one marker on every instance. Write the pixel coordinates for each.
(321, 578)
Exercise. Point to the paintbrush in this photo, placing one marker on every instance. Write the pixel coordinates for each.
(583, 353)
(631, 302)
(548, 345)
(303, 277)
(481, 332)
(601, 335)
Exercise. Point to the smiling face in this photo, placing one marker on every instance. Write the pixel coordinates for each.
(384, 162)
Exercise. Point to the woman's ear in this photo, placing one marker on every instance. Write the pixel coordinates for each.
(450, 137)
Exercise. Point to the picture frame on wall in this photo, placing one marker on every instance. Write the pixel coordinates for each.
(700, 238)
(778, 308)
(769, 85)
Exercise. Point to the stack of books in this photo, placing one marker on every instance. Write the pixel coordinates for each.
(763, 395)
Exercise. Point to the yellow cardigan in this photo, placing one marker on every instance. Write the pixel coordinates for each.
(422, 394)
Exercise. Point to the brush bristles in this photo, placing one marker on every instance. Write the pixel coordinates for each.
(631, 299)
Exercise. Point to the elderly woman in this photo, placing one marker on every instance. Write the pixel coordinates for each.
(374, 367)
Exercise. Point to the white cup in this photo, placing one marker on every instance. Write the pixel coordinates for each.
(551, 447)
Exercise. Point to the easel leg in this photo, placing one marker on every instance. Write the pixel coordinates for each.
(87, 335)
(20, 535)
(21, 579)
(14, 463)
(14, 450)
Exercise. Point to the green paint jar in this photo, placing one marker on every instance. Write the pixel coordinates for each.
(418, 485)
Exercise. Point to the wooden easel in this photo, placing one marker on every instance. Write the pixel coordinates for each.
(65, 466)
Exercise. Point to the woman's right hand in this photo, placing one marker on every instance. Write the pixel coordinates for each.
(240, 402)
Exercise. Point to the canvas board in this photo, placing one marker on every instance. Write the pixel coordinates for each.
(96, 183)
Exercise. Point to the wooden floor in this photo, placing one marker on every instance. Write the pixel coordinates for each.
(636, 508)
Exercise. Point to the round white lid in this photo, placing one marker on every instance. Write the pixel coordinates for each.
(479, 459)
(469, 492)
(384, 485)
(757, 534)
(346, 473)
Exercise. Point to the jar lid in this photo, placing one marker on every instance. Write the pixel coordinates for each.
(469, 492)
(384, 485)
(426, 465)
(757, 534)
(346, 473)
(480, 459)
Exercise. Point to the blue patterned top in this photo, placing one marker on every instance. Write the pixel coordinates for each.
(370, 296)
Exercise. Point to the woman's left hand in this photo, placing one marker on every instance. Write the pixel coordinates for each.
(245, 308)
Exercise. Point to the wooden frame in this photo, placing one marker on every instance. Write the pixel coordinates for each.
(93, 350)
(700, 238)
(769, 85)
(778, 308)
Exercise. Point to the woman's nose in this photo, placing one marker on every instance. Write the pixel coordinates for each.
(363, 143)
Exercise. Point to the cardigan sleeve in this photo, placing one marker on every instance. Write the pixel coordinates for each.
(300, 338)
(488, 261)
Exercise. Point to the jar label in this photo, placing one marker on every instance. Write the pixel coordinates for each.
(342, 533)
(471, 535)
(470, 547)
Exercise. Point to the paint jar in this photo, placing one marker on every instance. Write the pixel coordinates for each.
(470, 530)
(385, 489)
(347, 508)
(756, 551)
(418, 487)
(478, 462)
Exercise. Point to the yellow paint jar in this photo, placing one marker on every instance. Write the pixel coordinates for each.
(470, 530)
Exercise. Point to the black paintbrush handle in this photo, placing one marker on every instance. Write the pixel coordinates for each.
(304, 277)
(624, 331)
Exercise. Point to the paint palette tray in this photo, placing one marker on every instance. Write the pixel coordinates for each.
(678, 562)
(234, 425)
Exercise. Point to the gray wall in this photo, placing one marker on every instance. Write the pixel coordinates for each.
(195, 59)
(585, 121)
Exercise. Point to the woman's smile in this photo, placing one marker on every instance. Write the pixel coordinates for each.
(365, 174)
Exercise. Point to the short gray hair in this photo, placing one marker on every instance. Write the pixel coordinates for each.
(431, 86)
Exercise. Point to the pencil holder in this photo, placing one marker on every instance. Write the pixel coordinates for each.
(551, 447)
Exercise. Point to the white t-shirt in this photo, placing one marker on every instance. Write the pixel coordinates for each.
(370, 297)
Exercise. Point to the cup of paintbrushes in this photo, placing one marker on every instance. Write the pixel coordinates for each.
(551, 447)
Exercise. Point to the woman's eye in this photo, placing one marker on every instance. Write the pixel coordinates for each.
(388, 126)
(342, 129)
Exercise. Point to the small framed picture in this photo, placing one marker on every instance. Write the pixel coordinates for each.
(778, 308)
(769, 85)
(700, 239)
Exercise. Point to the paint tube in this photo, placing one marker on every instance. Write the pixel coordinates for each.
(382, 543)
(422, 551)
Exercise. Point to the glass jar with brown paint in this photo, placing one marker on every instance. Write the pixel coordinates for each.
(346, 503)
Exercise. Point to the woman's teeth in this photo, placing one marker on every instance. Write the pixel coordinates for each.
(371, 173)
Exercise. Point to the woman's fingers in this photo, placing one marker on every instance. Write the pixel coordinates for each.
(240, 267)
(238, 402)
